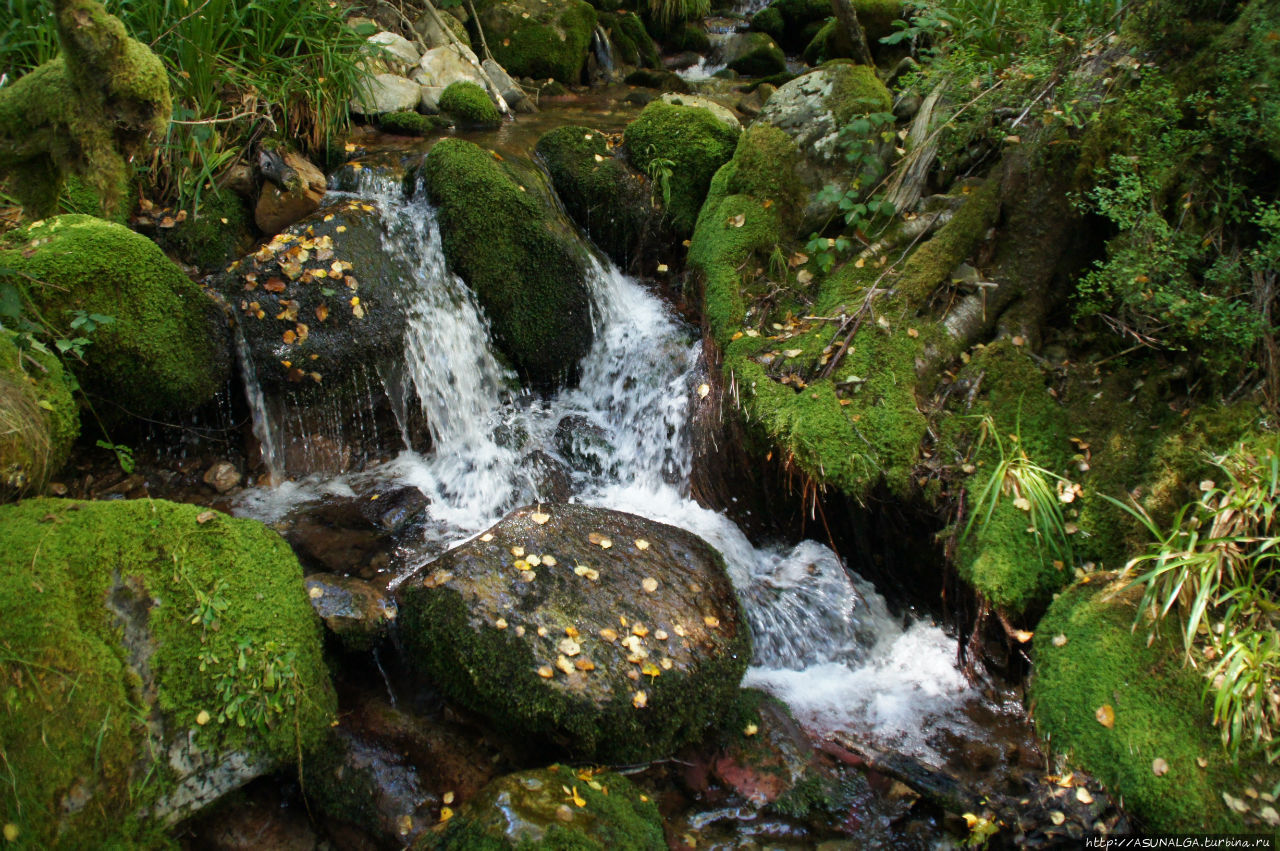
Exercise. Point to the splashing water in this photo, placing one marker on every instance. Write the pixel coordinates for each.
(826, 642)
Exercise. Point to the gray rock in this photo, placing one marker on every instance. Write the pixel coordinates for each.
(397, 48)
(357, 612)
(441, 66)
(382, 93)
(222, 476)
(508, 88)
(719, 110)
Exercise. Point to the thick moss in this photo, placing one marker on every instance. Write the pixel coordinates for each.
(469, 104)
(855, 90)
(106, 669)
(608, 200)
(535, 39)
(758, 56)
(38, 418)
(413, 123)
(765, 166)
(89, 112)
(792, 23)
(695, 142)
(663, 81)
(502, 236)
(632, 40)
(931, 263)
(167, 349)
(1158, 712)
(219, 232)
(530, 810)
(876, 18)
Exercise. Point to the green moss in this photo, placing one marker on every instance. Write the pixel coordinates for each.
(820, 48)
(220, 231)
(855, 90)
(1158, 714)
(77, 196)
(664, 81)
(532, 39)
(765, 164)
(608, 200)
(792, 23)
(931, 263)
(413, 123)
(469, 104)
(501, 235)
(758, 56)
(39, 419)
(686, 37)
(633, 42)
(89, 112)
(877, 17)
(103, 664)
(769, 21)
(696, 143)
(166, 350)
(526, 811)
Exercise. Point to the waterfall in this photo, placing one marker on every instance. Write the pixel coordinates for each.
(825, 641)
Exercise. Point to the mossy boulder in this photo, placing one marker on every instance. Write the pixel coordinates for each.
(754, 54)
(219, 231)
(602, 193)
(696, 144)
(413, 123)
(663, 81)
(90, 112)
(632, 41)
(38, 417)
(517, 252)
(321, 301)
(155, 658)
(876, 18)
(792, 23)
(610, 636)
(535, 39)
(1087, 655)
(603, 812)
(469, 105)
(167, 349)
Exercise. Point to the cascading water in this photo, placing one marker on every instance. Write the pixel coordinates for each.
(825, 642)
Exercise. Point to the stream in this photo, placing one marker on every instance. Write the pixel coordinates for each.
(826, 642)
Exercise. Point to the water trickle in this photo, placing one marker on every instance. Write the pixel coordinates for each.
(263, 429)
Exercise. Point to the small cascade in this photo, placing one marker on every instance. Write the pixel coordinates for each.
(268, 435)
(604, 59)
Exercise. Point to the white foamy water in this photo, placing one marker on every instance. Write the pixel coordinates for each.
(826, 642)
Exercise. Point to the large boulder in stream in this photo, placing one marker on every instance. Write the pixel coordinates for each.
(615, 638)
(602, 811)
(534, 38)
(322, 301)
(155, 657)
(164, 349)
(681, 147)
(602, 193)
(505, 236)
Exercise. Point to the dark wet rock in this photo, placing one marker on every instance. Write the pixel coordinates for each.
(324, 297)
(254, 818)
(357, 612)
(618, 653)
(549, 479)
(755, 55)
(297, 196)
(767, 756)
(663, 81)
(531, 809)
(222, 476)
(608, 198)
(582, 443)
(367, 786)
(353, 535)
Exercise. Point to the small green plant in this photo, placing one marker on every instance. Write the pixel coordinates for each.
(1216, 570)
(255, 686)
(209, 606)
(660, 171)
(670, 12)
(1040, 492)
(124, 455)
(864, 212)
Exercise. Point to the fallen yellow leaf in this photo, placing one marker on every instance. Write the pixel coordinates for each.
(1106, 716)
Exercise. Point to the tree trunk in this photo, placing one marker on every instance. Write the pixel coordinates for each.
(850, 33)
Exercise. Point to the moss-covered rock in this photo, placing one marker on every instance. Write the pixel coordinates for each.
(876, 18)
(168, 348)
(632, 41)
(754, 54)
(518, 254)
(89, 112)
(538, 626)
(217, 233)
(154, 659)
(531, 38)
(416, 124)
(469, 105)
(792, 23)
(663, 81)
(694, 141)
(1099, 660)
(38, 418)
(608, 199)
(603, 811)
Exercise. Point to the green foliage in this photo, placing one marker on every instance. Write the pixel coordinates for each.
(233, 68)
(469, 104)
(668, 13)
(863, 214)
(1217, 569)
(38, 416)
(660, 170)
(1001, 28)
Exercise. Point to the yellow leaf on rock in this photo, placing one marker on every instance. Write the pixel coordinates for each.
(750, 730)
(202, 717)
(290, 337)
(650, 670)
(1106, 716)
(546, 672)
(322, 312)
(1159, 767)
(711, 621)
(608, 634)
(487, 537)
(584, 664)
(518, 552)
(640, 700)
(564, 664)
(649, 584)
(539, 517)
(1057, 817)
(569, 647)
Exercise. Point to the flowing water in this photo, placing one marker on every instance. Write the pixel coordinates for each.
(826, 642)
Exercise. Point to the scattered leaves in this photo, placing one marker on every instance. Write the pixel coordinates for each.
(546, 672)
(642, 544)
(202, 717)
(205, 516)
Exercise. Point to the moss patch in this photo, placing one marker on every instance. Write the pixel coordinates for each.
(696, 143)
(534, 39)
(502, 236)
(39, 419)
(413, 123)
(219, 232)
(469, 104)
(105, 668)
(531, 810)
(634, 44)
(608, 200)
(167, 349)
(1158, 714)
(758, 56)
